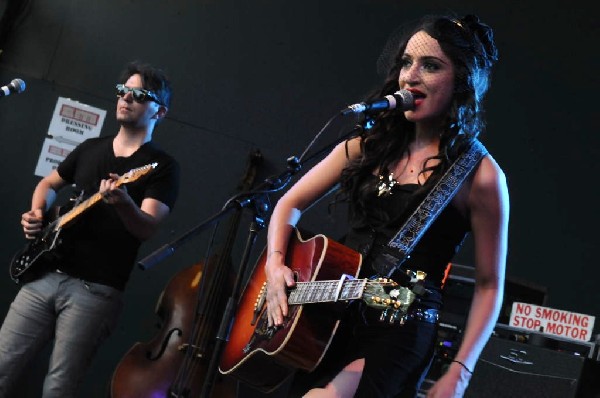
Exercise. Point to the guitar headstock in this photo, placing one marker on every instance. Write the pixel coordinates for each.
(384, 293)
(394, 300)
(136, 173)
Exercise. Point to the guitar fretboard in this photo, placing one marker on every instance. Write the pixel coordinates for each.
(327, 291)
(130, 176)
(86, 204)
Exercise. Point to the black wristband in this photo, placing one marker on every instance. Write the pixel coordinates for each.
(463, 365)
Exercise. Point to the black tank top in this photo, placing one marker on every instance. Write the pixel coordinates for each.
(381, 218)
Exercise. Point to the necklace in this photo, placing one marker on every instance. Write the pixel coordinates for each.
(385, 187)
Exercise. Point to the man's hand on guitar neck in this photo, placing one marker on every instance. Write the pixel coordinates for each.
(112, 193)
(32, 223)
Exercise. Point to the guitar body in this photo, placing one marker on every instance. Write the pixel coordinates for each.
(19, 268)
(24, 264)
(21, 262)
(264, 357)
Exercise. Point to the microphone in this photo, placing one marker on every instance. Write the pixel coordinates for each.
(402, 99)
(16, 86)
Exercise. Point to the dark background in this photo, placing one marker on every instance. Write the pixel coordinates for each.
(268, 75)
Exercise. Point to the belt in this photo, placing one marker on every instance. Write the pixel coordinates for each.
(390, 316)
(428, 315)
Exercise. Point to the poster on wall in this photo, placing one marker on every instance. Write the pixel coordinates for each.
(72, 123)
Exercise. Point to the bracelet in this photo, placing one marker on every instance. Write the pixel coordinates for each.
(275, 251)
(463, 365)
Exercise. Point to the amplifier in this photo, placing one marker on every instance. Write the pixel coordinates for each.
(522, 363)
(510, 369)
(458, 293)
(586, 349)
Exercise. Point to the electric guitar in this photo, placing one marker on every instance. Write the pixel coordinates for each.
(325, 272)
(48, 239)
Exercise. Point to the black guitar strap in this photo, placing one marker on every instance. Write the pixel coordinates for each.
(400, 246)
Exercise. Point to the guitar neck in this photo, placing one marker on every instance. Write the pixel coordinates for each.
(77, 210)
(130, 176)
(327, 291)
(80, 208)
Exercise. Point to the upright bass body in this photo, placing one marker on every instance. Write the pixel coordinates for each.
(168, 366)
(175, 364)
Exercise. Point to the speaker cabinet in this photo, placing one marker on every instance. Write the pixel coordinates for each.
(508, 369)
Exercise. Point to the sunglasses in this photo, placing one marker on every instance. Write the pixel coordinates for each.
(139, 94)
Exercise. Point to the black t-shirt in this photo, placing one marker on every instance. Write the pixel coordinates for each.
(97, 247)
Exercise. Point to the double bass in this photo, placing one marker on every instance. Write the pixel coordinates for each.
(175, 362)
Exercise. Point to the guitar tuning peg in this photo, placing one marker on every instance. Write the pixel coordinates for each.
(398, 316)
(416, 276)
(383, 315)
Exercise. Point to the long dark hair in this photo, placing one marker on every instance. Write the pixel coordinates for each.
(469, 44)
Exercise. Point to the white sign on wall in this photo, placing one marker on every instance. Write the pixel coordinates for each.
(570, 325)
(71, 124)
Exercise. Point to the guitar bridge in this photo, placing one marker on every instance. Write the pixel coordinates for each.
(261, 333)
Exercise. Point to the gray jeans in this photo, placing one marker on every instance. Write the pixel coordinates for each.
(78, 315)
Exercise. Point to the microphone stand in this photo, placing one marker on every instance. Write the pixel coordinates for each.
(243, 199)
(261, 208)
(257, 199)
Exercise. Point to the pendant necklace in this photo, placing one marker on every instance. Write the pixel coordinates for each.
(385, 187)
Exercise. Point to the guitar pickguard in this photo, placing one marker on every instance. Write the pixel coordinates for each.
(23, 259)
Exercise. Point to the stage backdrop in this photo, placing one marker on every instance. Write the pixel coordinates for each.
(268, 75)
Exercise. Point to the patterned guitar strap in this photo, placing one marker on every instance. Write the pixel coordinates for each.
(399, 247)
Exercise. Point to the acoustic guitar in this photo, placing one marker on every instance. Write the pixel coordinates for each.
(326, 273)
